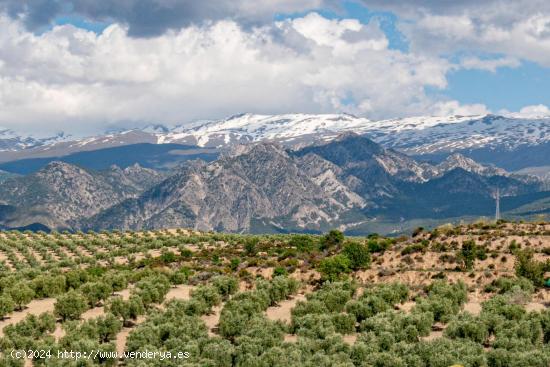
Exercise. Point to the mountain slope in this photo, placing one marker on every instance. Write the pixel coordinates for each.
(259, 182)
(61, 193)
(342, 183)
(346, 182)
(376, 169)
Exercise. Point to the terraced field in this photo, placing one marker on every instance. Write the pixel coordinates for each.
(471, 295)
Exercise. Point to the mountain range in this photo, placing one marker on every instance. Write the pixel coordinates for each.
(347, 181)
(512, 143)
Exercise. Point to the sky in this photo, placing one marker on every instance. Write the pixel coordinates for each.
(85, 66)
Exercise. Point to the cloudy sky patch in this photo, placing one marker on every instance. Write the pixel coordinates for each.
(85, 66)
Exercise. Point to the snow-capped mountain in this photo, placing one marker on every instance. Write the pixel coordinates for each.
(418, 136)
(10, 141)
(422, 135)
(289, 129)
(414, 135)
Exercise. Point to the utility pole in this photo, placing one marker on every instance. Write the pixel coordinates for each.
(497, 211)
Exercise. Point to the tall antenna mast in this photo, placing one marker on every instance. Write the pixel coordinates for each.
(497, 199)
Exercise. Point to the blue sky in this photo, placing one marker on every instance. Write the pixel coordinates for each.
(507, 88)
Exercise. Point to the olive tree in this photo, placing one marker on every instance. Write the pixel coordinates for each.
(96, 292)
(6, 306)
(70, 305)
(21, 294)
(126, 310)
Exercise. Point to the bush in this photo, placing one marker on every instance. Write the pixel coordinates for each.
(392, 293)
(48, 286)
(225, 285)
(70, 305)
(378, 245)
(358, 255)
(240, 309)
(207, 294)
(334, 238)
(527, 267)
(303, 243)
(280, 288)
(366, 307)
(335, 267)
(234, 263)
(411, 249)
(117, 281)
(468, 254)
(152, 289)
(466, 326)
(250, 246)
(506, 284)
(443, 301)
(500, 305)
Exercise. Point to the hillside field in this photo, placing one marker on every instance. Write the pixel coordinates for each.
(468, 295)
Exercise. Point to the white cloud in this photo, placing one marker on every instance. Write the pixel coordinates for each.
(448, 108)
(489, 64)
(519, 29)
(533, 111)
(72, 79)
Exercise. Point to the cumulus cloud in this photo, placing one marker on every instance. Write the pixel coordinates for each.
(533, 111)
(146, 18)
(73, 79)
(518, 29)
(448, 108)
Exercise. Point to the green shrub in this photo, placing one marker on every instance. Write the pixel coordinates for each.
(278, 289)
(466, 326)
(126, 309)
(358, 255)
(334, 238)
(505, 284)
(207, 294)
(225, 285)
(48, 286)
(335, 267)
(527, 267)
(334, 295)
(375, 244)
(416, 247)
(303, 243)
(392, 293)
(250, 246)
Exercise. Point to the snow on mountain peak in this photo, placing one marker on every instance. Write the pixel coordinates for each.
(252, 127)
(412, 135)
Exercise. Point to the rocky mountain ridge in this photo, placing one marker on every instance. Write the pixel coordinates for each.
(61, 193)
(347, 182)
